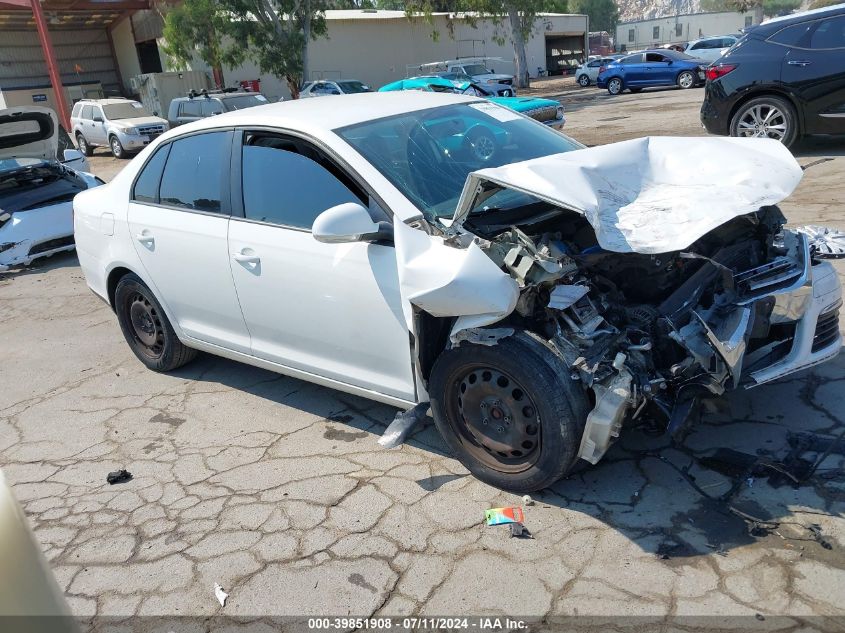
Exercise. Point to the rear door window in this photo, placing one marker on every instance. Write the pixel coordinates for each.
(633, 59)
(829, 34)
(190, 108)
(146, 186)
(795, 35)
(88, 112)
(196, 169)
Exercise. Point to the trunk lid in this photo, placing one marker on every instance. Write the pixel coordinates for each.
(28, 132)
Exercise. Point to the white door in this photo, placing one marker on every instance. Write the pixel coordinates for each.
(180, 234)
(329, 309)
(98, 127)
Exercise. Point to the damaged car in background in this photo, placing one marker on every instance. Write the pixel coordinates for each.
(38, 181)
(538, 297)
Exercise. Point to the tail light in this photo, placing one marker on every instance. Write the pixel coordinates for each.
(714, 72)
(602, 69)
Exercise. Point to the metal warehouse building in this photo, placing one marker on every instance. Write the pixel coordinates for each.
(640, 34)
(97, 47)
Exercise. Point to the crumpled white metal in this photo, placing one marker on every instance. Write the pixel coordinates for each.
(654, 194)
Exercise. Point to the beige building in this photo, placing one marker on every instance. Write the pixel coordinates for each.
(632, 36)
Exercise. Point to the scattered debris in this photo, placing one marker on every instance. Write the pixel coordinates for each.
(520, 531)
(402, 424)
(118, 476)
(220, 594)
(481, 336)
(825, 242)
(498, 516)
(527, 500)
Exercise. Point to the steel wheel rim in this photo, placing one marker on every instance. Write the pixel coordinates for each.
(763, 121)
(483, 147)
(615, 86)
(496, 420)
(686, 80)
(147, 329)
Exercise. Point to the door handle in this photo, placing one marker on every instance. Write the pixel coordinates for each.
(246, 259)
(145, 238)
(799, 62)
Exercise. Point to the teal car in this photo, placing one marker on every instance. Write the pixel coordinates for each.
(546, 111)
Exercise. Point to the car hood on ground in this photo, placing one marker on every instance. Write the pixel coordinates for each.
(29, 132)
(641, 196)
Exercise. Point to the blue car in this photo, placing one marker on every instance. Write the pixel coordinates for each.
(651, 69)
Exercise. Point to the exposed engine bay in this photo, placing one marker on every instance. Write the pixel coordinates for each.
(653, 330)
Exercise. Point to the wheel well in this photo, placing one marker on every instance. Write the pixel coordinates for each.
(111, 285)
(432, 337)
(768, 93)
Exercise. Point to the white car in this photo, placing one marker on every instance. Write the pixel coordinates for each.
(36, 186)
(588, 72)
(536, 295)
(325, 88)
(710, 48)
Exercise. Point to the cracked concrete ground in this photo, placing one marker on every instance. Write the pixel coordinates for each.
(277, 490)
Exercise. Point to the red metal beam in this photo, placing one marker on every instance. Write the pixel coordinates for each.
(52, 65)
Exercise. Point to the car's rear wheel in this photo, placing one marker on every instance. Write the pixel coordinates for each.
(509, 412)
(146, 328)
(117, 147)
(83, 146)
(614, 86)
(766, 117)
(583, 81)
(686, 80)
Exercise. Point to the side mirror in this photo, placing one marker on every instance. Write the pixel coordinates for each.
(349, 222)
(71, 155)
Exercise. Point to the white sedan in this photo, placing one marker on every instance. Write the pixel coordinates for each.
(537, 295)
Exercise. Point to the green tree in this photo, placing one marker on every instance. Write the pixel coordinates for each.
(604, 14)
(275, 34)
(195, 28)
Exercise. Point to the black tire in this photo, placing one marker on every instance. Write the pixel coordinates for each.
(758, 109)
(686, 80)
(83, 146)
(482, 144)
(615, 86)
(635, 90)
(117, 147)
(146, 328)
(531, 388)
(583, 81)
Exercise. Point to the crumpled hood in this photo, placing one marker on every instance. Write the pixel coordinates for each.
(654, 194)
(29, 132)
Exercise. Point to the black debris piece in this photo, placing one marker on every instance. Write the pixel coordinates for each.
(118, 476)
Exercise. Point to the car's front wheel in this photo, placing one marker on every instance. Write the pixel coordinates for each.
(614, 86)
(583, 81)
(509, 412)
(686, 80)
(146, 328)
(117, 147)
(766, 117)
(83, 146)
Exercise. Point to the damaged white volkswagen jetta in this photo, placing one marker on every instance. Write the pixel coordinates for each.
(414, 248)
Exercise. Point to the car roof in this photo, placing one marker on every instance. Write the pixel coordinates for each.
(776, 24)
(109, 101)
(317, 116)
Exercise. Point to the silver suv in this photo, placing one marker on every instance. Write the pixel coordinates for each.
(124, 126)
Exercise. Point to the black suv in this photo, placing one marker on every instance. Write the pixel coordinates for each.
(782, 79)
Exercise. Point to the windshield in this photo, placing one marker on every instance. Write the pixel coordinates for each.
(128, 110)
(429, 154)
(247, 101)
(476, 69)
(353, 87)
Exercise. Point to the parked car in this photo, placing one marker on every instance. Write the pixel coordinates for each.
(784, 79)
(535, 296)
(546, 111)
(195, 106)
(325, 87)
(478, 70)
(651, 69)
(587, 73)
(36, 186)
(495, 89)
(710, 49)
(122, 125)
